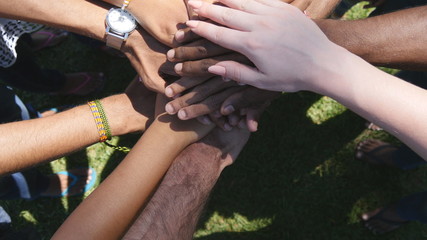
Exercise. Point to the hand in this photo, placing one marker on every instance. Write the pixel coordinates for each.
(202, 99)
(277, 55)
(315, 8)
(148, 57)
(161, 18)
(195, 58)
(131, 111)
(217, 98)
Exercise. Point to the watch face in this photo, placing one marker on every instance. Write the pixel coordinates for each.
(120, 20)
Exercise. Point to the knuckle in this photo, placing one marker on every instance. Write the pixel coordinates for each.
(201, 51)
(253, 44)
(244, 5)
(226, 15)
(188, 67)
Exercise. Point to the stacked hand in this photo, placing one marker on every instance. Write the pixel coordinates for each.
(198, 94)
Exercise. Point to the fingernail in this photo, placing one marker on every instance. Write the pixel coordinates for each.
(218, 70)
(169, 92)
(178, 67)
(227, 127)
(226, 79)
(192, 23)
(241, 84)
(182, 115)
(253, 126)
(195, 3)
(171, 54)
(179, 36)
(169, 109)
(204, 120)
(228, 109)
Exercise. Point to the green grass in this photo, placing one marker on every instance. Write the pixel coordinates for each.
(295, 179)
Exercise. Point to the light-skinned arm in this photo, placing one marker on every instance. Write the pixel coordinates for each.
(111, 208)
(31, 142)
(308, 60)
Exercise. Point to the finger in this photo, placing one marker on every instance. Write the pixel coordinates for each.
(274, 3)
(205, 119)
(197, 95)
(185, 35)
(183, 84)
(238, 72)
(196, 50)
(252, 119)
(154, 82)
(229, 17)
(248, 97)
(222, 123)
(234, 119)
(168, 69)
(200, 67)
(248, 6)
(225, 37)
(209, 105)
(301, 4)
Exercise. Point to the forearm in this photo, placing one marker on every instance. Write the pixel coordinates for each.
(175, 208)
(79, 16)
(393, 104)
(397, 40)
(116, 202)
(27, 143)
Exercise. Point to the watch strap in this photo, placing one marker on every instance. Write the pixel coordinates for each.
(114, 41)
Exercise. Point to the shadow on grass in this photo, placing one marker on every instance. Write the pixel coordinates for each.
(303, 177)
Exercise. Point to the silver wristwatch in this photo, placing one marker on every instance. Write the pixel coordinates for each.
(120, 23)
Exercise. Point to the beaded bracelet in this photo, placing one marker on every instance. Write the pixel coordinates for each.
(125, 4)
(102, 125)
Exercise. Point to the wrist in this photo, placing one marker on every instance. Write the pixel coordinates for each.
(117, 113)
(329, 69)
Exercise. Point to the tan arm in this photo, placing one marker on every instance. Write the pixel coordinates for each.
(112, 207)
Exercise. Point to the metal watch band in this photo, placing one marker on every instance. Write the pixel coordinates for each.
(114, 41)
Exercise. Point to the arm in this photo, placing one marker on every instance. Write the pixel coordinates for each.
(88, 18)
(395, 40)
(161, 18)
(43, 139)
(174, 209)
(117, 201)
(334, 71)
(315, 9)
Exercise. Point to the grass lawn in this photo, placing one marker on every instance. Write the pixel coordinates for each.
(295, 179)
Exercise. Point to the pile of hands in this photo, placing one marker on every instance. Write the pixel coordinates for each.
(172, 60)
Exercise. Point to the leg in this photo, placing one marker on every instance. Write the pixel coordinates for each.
(174, 209)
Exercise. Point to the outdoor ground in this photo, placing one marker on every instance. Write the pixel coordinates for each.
(296, 178)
